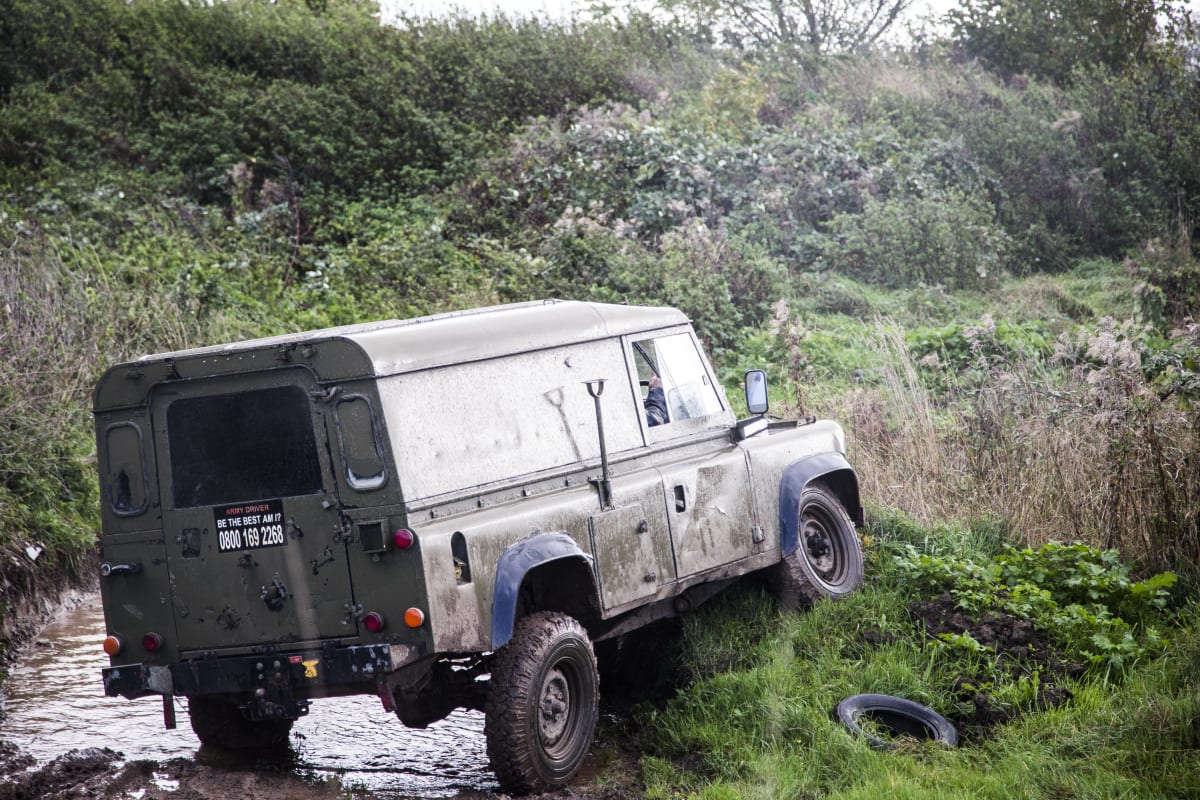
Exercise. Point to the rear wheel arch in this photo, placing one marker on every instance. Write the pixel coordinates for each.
(546, 572)
(566, 585)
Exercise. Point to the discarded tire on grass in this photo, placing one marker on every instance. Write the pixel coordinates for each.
(894, 716)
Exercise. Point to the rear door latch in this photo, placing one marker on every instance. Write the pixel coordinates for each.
(275, 594)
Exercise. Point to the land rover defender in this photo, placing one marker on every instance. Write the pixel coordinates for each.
(447, 512)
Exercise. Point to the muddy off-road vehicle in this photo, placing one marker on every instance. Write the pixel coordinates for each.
(448, 512)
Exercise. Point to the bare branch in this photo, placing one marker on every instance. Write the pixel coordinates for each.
(825, 25)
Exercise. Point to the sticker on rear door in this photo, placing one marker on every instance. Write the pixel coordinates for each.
(249, 526)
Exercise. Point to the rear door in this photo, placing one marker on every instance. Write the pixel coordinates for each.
(255, 542)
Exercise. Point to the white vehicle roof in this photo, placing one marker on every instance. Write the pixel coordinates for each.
(398, 346)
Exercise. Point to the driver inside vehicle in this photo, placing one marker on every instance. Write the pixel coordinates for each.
(656, 404)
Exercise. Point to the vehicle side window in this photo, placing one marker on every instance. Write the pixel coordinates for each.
(361, 445)
(686, 389)
(125, 469)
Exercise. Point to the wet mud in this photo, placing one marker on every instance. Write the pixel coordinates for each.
(1020, 648)
(60, 738)
(103, 774)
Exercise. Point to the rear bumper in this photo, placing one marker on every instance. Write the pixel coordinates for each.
(302, 674)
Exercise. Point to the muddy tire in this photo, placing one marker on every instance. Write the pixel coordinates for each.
(219, 723)
(894, 716)
(542, 706)
(827, 561)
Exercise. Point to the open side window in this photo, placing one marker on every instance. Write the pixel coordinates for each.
(675, 383)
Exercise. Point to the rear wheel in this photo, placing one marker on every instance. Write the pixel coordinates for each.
(827, 561)
(218, 722)
(542, 707)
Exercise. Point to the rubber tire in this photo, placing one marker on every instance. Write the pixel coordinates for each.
(900, 715)
(800, 578)
(218, 722)
(548, 653)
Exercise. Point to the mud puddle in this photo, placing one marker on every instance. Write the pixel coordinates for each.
(54, 703)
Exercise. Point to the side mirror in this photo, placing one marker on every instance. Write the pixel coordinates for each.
(756, 392)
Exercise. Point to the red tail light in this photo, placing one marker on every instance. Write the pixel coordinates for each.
(152, 642)
(403, 539)
(373, 621)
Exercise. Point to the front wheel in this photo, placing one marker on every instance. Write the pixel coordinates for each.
(542, 706)
(827, 561)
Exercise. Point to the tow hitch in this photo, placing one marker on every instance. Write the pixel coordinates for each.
(273, 697)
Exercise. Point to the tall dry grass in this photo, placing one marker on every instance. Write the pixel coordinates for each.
(1082, 448)
(63, 319)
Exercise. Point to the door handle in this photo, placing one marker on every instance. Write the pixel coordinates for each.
(680, 499)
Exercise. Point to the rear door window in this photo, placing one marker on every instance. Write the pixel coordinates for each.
(252, 445)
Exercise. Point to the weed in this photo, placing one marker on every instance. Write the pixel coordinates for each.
(1074, 593)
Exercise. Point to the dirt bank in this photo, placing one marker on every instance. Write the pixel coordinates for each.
(33, 592)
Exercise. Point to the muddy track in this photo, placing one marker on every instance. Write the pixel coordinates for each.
(100, 774)
(75, 743)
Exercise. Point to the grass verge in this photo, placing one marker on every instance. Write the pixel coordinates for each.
(756, 716)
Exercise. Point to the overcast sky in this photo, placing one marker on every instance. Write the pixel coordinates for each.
(551, 8)
(564, 8)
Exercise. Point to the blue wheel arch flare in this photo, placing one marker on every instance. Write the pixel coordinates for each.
(514, 564)
(836, 471)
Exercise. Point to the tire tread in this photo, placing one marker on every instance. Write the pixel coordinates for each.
(507, 724)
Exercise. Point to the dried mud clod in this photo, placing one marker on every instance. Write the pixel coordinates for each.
(63, 777)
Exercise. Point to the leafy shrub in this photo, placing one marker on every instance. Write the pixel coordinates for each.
(832, 294)
(906, 241)
(1051, 39)
(59, 327)
(1171, 292)
(694, 268)
(189, 90)
(959, 347)
(1074, 592)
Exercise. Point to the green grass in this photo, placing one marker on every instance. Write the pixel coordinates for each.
(756, 719)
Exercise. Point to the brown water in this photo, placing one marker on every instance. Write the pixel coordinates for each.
(55, 703)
